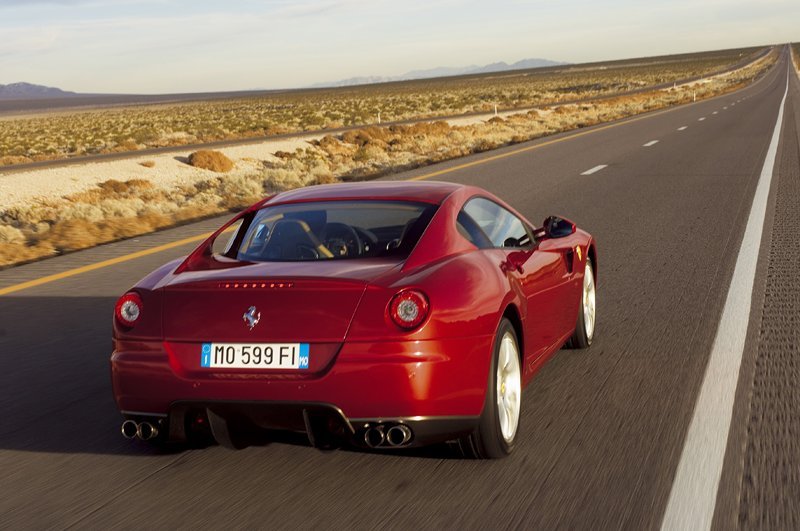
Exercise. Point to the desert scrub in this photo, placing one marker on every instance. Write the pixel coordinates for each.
(71, 134)
(116, 209)
(211, 160)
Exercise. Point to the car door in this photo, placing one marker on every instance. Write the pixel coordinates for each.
(538, 274)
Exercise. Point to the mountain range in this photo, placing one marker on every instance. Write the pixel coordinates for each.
(442, 71)
(29, 91)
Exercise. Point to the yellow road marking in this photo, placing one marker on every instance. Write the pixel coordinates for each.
(158, 249)
(100, 265)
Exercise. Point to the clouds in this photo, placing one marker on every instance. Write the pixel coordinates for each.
(200, 45)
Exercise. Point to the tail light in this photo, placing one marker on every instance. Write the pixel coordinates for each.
(128, 309)
(408, 309)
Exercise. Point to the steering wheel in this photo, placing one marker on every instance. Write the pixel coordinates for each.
(342, 240)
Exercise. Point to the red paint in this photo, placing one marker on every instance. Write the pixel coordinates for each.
(360, 359)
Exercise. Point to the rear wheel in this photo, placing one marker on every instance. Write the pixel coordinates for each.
(499, 423)
(584, 327)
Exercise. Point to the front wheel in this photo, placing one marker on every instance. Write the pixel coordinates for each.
(499, 423)
(587, 314)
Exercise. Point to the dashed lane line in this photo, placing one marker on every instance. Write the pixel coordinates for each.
(595, 169)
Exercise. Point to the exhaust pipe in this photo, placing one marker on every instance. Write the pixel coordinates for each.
(398, 435)
(129, 429)
(146, 431)
(374, 436)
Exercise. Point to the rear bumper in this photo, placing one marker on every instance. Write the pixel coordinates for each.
(437, 386)
(324, 424)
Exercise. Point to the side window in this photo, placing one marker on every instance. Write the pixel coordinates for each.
(224, 242)
(471, 231)
(498, 225)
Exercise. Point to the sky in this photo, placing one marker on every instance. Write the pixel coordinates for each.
(162, 46)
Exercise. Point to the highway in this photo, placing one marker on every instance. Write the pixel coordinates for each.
(605, 431)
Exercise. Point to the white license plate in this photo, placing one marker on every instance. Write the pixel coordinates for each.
(255, 355)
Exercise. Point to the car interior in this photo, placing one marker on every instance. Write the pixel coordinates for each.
(334, 230)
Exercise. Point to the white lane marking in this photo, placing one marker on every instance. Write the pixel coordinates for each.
(724, 108)
(694, 491)
(595, 169)
(701, 119)
(651, 143)
(715, 112)
(733, 104)
(683, 128)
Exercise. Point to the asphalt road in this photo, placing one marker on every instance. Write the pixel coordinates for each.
(602, 430)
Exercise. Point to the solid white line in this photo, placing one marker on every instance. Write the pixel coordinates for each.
(651, 143)
(595, 169)
(701, 119)
(683, 128)
(694, 491)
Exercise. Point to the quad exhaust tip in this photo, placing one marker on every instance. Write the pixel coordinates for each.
(143, 430)
(129, 429)
(399, 435)
(392, 435)
(374, 436)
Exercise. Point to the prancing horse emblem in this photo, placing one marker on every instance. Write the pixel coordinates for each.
(251, 317)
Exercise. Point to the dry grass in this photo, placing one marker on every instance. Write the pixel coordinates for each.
(115, 210)
(211, 160)
(75, 134)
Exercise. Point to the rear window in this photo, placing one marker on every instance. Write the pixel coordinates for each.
(334, 230)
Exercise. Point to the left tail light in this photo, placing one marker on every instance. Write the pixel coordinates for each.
(128, 309)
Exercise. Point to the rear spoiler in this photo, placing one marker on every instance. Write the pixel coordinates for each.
(202, 257)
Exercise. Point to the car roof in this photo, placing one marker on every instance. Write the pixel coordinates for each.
(428, 192)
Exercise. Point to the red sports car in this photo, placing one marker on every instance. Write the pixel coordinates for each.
(383, 315)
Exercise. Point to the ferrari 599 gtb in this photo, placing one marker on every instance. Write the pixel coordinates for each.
(383, 315)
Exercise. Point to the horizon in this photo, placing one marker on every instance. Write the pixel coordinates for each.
(155, 47)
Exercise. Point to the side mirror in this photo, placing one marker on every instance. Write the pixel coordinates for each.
(556, 227)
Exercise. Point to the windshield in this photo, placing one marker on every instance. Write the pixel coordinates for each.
(335, 230)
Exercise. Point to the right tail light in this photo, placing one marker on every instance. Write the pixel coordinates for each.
(409, 308)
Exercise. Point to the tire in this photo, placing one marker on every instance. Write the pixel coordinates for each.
(498, 427)
(587, 312)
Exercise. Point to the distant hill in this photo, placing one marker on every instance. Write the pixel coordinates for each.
(29, 91)
(442, 71)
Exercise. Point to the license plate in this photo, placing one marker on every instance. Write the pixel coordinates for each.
(255, 355)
